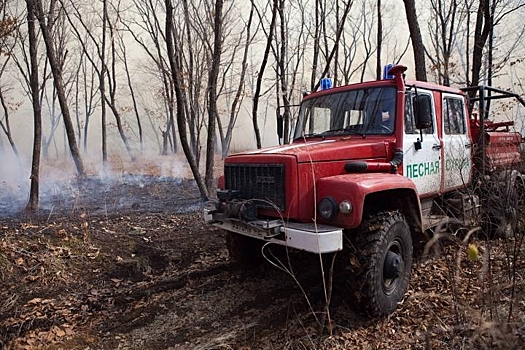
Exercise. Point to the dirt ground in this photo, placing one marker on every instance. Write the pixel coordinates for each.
(130, 264)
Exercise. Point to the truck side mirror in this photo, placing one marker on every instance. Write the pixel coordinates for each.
(280, 122)
(423, 112)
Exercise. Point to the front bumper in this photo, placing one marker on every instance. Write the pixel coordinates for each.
(308, 237)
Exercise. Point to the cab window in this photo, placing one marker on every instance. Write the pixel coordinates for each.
(453, 116)
(410, 122)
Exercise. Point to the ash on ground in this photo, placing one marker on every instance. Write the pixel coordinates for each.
(112, 195)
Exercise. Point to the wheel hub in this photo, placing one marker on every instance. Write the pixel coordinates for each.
(392, 266)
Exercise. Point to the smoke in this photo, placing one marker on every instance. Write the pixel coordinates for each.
(14, 182)
(151, 183)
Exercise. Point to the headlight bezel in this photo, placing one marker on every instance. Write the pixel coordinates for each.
(327, 208)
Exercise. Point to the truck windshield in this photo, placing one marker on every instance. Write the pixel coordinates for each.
(368, 111)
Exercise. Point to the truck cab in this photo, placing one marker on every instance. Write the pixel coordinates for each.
(369, 169)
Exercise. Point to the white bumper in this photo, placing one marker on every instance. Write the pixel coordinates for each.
(308, 237)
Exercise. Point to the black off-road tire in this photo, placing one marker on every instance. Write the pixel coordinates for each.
(384, 236)
(244, 251)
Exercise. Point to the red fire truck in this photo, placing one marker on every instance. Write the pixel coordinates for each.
(372, 167)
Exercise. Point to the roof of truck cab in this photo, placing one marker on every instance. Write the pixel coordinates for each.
(385, 82)
(435, 87)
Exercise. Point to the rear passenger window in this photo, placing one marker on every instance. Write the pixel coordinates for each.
(454, 116)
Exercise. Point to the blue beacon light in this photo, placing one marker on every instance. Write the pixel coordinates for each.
(326, 83)
(385, 71)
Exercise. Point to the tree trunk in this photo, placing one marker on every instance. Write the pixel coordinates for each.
(417, 40)
(238, 96)
(57, 80)
(113, 106)
(316, 48)
(37, 117)
(260, 74)
(102, 87)
(111, 101)
(134, 99)
(176, 74)
(481, 32)
(283, 76)
(212, 96)
(379, 40)
(337, 40)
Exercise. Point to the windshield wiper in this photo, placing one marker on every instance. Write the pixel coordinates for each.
(308, 136)
(354, 132)
(345, 131)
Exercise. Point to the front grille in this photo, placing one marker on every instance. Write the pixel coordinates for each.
(263, 183)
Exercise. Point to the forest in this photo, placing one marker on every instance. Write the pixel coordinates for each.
(116, 116)
(129, 78)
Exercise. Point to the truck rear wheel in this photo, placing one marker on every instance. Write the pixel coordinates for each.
(243, 250)
(502, 208)
(501, 226)
(385, 259)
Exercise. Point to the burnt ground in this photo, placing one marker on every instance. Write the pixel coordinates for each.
(130, 264)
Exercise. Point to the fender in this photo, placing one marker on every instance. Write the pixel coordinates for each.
(358, 188)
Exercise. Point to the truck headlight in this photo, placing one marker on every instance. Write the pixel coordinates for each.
(345, 207)
(327, 208)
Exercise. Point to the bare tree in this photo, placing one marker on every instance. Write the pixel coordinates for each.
(8, 27)
(289, 52)
(443, 36)
(37, 118)
(212, 95)
(111, 100)
(5, 124)
(102, 77)
(316, 43)
(350, 44)
(282, 69)
(57, 80)
(379, 40)
(260, 73)
(483, 27)
(489, 14)
(131, 90)
(176, 75)
(337, 40)
(196, 57)
(90, 97)
(237, 99)
(107, 71)
(60, 34)
(147, 21)
(417, 40)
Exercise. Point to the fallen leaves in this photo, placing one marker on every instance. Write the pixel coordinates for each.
(36, 301)
(134, 270)
(38, 339)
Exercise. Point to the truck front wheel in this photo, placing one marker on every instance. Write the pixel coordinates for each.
(384, 250)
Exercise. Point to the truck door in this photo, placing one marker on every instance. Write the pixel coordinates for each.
(421, 157)
(456, 143)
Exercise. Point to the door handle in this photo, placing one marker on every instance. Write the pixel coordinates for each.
(436, 147)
